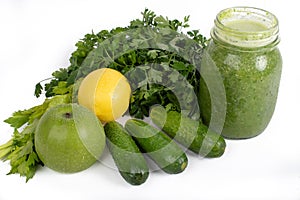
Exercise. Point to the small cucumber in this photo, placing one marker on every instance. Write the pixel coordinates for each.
(126, 154)
(190, 133)
(161, 149)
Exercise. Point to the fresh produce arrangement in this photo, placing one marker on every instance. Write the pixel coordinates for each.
(69, 131)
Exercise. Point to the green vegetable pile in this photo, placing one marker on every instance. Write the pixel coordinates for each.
(147, 95)
(62, 87)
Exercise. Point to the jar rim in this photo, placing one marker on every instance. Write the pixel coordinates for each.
(266, 15)
(242, 36)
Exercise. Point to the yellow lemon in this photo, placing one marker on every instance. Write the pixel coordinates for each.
(106, 92)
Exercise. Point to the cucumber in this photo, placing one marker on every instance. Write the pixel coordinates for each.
(126, 154)
(190, 133)
(161, 148)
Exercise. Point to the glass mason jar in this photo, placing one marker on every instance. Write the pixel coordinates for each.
(244, 50)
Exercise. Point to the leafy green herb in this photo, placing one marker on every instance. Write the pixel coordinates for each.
(140, 102)
(20, 151)
(38, 89)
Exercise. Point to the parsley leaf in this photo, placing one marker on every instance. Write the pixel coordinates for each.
(38, 89)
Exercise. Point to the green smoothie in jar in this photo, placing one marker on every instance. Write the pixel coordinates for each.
(244, 50)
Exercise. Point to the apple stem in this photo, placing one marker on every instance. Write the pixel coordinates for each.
(68, 115)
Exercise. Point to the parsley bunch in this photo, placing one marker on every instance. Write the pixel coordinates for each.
(61, 88)
(142, 98)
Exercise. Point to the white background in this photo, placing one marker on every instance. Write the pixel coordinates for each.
(37, 37)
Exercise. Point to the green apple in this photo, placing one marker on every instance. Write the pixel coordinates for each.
(69, 138)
